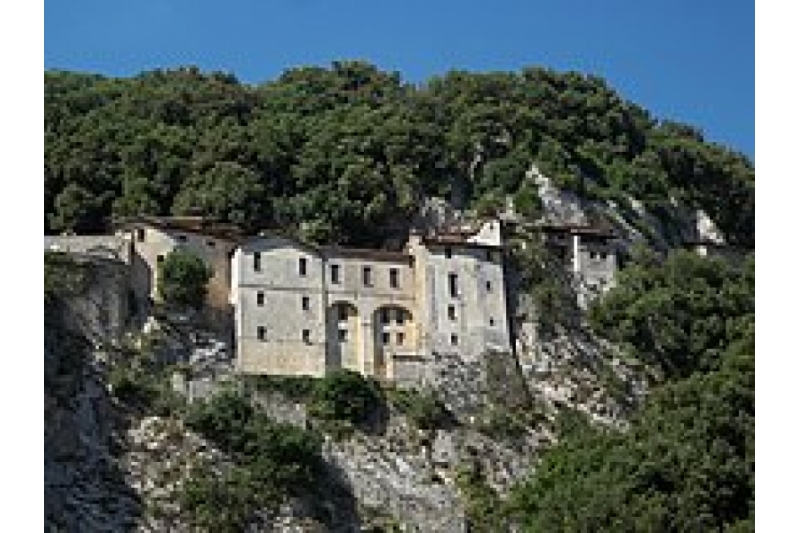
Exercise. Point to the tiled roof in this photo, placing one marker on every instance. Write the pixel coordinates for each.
(190, 224)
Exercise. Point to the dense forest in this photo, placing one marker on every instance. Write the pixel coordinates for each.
(346, 153)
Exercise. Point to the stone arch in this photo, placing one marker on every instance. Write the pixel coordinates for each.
(394, 333)
(345, 337)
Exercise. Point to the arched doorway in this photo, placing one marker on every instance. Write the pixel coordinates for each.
(394, 334)
(344, 337)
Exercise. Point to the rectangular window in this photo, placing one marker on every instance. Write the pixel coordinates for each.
(451, 312)
(453, 279)
(140, 234)
(491, 321)
(335, 274)
(342, 312)
(384, 316)
(159, 259)
(210, 244)
(454, 340)
(366, 274)
(182, 238)
(400, 316)
(385, 338)
(448, 252)
(400, 338)
(307, 336)
(303, 266)
(259, 298)
(262, 333)
(306, 303)
(342, 335)
(394, 278)
(257, 261)
(488, 286)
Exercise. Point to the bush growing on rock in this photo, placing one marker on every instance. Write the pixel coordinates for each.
(346, 396)
(272, 462)
(424, 409)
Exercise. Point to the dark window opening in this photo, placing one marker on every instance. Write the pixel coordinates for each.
(367, 276)
(385, 338)
(140, 234)
(454, 340)
(400, 338)
(342, 312)
(394, 281)
(306, 303)
(257, 261)
(400, 316)
(303, 266)
(262, 333)
(451, 312)
(182, 238)
(307, 336)
(210, 244)
(448, 252)
(160, 259)
(342, 335)
(384, 316)
(488, 286)
(259, 298)
(491, 321)
(334, 273)
(453, 282)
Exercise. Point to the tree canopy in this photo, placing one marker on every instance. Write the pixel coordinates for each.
(687, 463)
(347, 151)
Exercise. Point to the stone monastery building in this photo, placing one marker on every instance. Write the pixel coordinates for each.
(301, 309)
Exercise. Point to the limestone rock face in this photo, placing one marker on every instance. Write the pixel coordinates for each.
(560, 206)
(84, 485)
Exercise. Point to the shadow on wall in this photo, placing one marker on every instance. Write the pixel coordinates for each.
(344, 337)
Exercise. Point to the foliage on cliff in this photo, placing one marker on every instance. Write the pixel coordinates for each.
(688, 461)
(347, 152)
(272, 462)
(680, 315)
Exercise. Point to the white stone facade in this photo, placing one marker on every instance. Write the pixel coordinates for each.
(305, 310)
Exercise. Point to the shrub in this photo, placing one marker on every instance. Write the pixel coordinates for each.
(224, 503)
(272, 461)
(424, 409)
(346, 395)
(485, 511)
(183, 279)
(292, 387)
(149, 391)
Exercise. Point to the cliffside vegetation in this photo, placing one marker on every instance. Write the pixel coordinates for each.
(345, 153)
(688, 461)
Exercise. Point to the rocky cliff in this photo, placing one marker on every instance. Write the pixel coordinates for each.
(113, 463)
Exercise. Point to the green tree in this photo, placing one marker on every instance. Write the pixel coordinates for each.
(686, 465)
(678, 315)
(183, 278)
(346, 395)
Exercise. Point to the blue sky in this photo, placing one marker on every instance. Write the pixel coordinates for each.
(692, 61)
